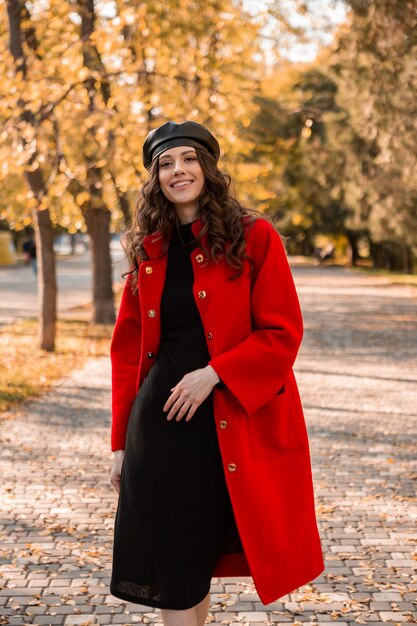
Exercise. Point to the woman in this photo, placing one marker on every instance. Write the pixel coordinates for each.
(211, 455)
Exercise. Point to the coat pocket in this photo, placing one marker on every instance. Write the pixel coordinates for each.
(275, 427)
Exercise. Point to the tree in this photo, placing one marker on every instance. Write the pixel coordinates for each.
(25, 128)
(374, 67)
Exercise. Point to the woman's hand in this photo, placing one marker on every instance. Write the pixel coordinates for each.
(190, 392)
(116, 469)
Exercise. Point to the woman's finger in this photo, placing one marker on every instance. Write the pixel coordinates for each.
(174, 408)
(191, 412)
(182, 411)
(172, 398)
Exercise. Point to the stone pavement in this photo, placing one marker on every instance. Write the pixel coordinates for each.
(357, 372)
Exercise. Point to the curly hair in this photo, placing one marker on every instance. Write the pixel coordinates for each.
(220, 212)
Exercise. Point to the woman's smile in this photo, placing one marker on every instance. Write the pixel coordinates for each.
(181, 184)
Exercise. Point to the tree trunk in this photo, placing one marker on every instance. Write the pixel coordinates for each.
(44, 235)
(45, 256)
(125, 208)
(123, 202)
(376, 254)
(98, 227)
(95, 212)
(47, 289)
(353, 243)
(407, 259)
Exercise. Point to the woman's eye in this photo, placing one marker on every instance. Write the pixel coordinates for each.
(169, 162)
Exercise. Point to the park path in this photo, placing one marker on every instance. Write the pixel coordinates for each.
(19, 289)
(357, 373)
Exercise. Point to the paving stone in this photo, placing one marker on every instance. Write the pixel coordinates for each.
(272, 606)
(38, 582)
(380, 606)
(393, 616)
(20, 591)
(125, 619)
(258, 616)
(387, 596)
(357, 373)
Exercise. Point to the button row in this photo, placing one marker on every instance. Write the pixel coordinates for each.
(231, 466)
(199, 258)
(201, 294)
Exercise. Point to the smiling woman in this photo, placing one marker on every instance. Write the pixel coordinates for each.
(205, 408)
(181, 179)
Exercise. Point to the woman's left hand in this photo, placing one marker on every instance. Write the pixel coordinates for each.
(190, 392)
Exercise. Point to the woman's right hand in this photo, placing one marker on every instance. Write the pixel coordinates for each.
(116, 469)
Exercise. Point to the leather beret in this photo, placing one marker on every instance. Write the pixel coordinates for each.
(171, 134)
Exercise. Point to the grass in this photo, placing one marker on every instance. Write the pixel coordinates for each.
(26, 370)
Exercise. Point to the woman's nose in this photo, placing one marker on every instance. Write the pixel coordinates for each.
(178, 167)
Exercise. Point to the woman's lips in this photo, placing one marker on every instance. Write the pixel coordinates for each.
(185, 185)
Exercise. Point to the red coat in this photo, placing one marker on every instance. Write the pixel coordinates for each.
(253, 330)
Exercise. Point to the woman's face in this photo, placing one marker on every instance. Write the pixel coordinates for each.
(180, 175)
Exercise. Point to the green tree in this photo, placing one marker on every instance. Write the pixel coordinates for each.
(374, 66)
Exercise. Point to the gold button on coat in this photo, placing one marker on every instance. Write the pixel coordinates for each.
(151, 313)
(231, 467)
(148, 269)
(223, 423)
(209, 336)
(201, 294)
(199, 258)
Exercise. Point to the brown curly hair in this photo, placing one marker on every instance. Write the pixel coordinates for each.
(220, 212)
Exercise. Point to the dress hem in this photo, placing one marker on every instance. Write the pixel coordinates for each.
(155, 603)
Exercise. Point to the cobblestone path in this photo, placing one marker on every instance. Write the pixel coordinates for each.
(357, 372)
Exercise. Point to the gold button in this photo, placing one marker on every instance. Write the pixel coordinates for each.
(151, 313)
(223, 423)
(199, 258)
(201, 294)
(231, 467)
(148, 269)
(209, 336)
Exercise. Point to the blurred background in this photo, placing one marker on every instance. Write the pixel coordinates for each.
(313, 103)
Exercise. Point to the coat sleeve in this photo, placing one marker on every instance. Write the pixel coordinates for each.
(125, 350)
(255, 369)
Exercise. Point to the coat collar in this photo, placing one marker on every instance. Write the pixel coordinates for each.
(152, 243)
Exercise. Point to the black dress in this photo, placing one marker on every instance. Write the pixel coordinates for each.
(174, 517)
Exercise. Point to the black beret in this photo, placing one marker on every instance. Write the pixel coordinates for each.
(172, 134)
